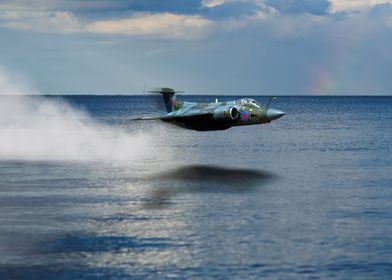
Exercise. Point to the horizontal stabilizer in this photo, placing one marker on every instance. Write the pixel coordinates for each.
(162, 90)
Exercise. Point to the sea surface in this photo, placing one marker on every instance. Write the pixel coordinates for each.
(308, 196)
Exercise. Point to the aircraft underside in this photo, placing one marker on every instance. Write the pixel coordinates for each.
(201, 123)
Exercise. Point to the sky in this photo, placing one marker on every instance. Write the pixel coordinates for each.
(249, 47)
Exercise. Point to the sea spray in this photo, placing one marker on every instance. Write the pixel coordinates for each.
(49, 128)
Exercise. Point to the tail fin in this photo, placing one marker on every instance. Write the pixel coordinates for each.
(172, 103)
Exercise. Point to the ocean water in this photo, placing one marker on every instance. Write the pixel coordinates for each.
(308, 196)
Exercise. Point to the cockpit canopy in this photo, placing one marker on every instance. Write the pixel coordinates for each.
(248, 102)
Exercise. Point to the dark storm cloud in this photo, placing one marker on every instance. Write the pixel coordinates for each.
(315, 7)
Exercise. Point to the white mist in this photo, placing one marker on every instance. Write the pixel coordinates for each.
(42, 128)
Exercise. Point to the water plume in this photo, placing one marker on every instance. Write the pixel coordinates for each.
(48, 128)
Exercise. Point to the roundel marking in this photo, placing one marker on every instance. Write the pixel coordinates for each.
(244, 116)
(174, 103)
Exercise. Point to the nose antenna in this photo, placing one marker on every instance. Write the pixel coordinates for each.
(272, 98)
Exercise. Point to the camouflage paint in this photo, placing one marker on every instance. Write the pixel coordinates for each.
(200, 116)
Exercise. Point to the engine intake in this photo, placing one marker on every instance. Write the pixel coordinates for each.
(226, 114)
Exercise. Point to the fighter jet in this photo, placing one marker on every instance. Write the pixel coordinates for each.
(215, 115)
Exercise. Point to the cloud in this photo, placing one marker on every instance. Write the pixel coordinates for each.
(299, 7)
(281, 46)
(212, 3)
(107, 7)
(164, 25)
(157, 25)
(348, 6)
(40, 21)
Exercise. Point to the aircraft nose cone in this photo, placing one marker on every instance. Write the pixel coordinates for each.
(273, 114)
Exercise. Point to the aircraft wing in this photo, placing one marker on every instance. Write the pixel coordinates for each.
(186, 114)
(177, 115)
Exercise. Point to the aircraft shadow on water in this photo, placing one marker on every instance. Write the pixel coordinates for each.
(213, 116)
(204, 179)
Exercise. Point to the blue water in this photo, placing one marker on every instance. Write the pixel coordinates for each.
(308, 196)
